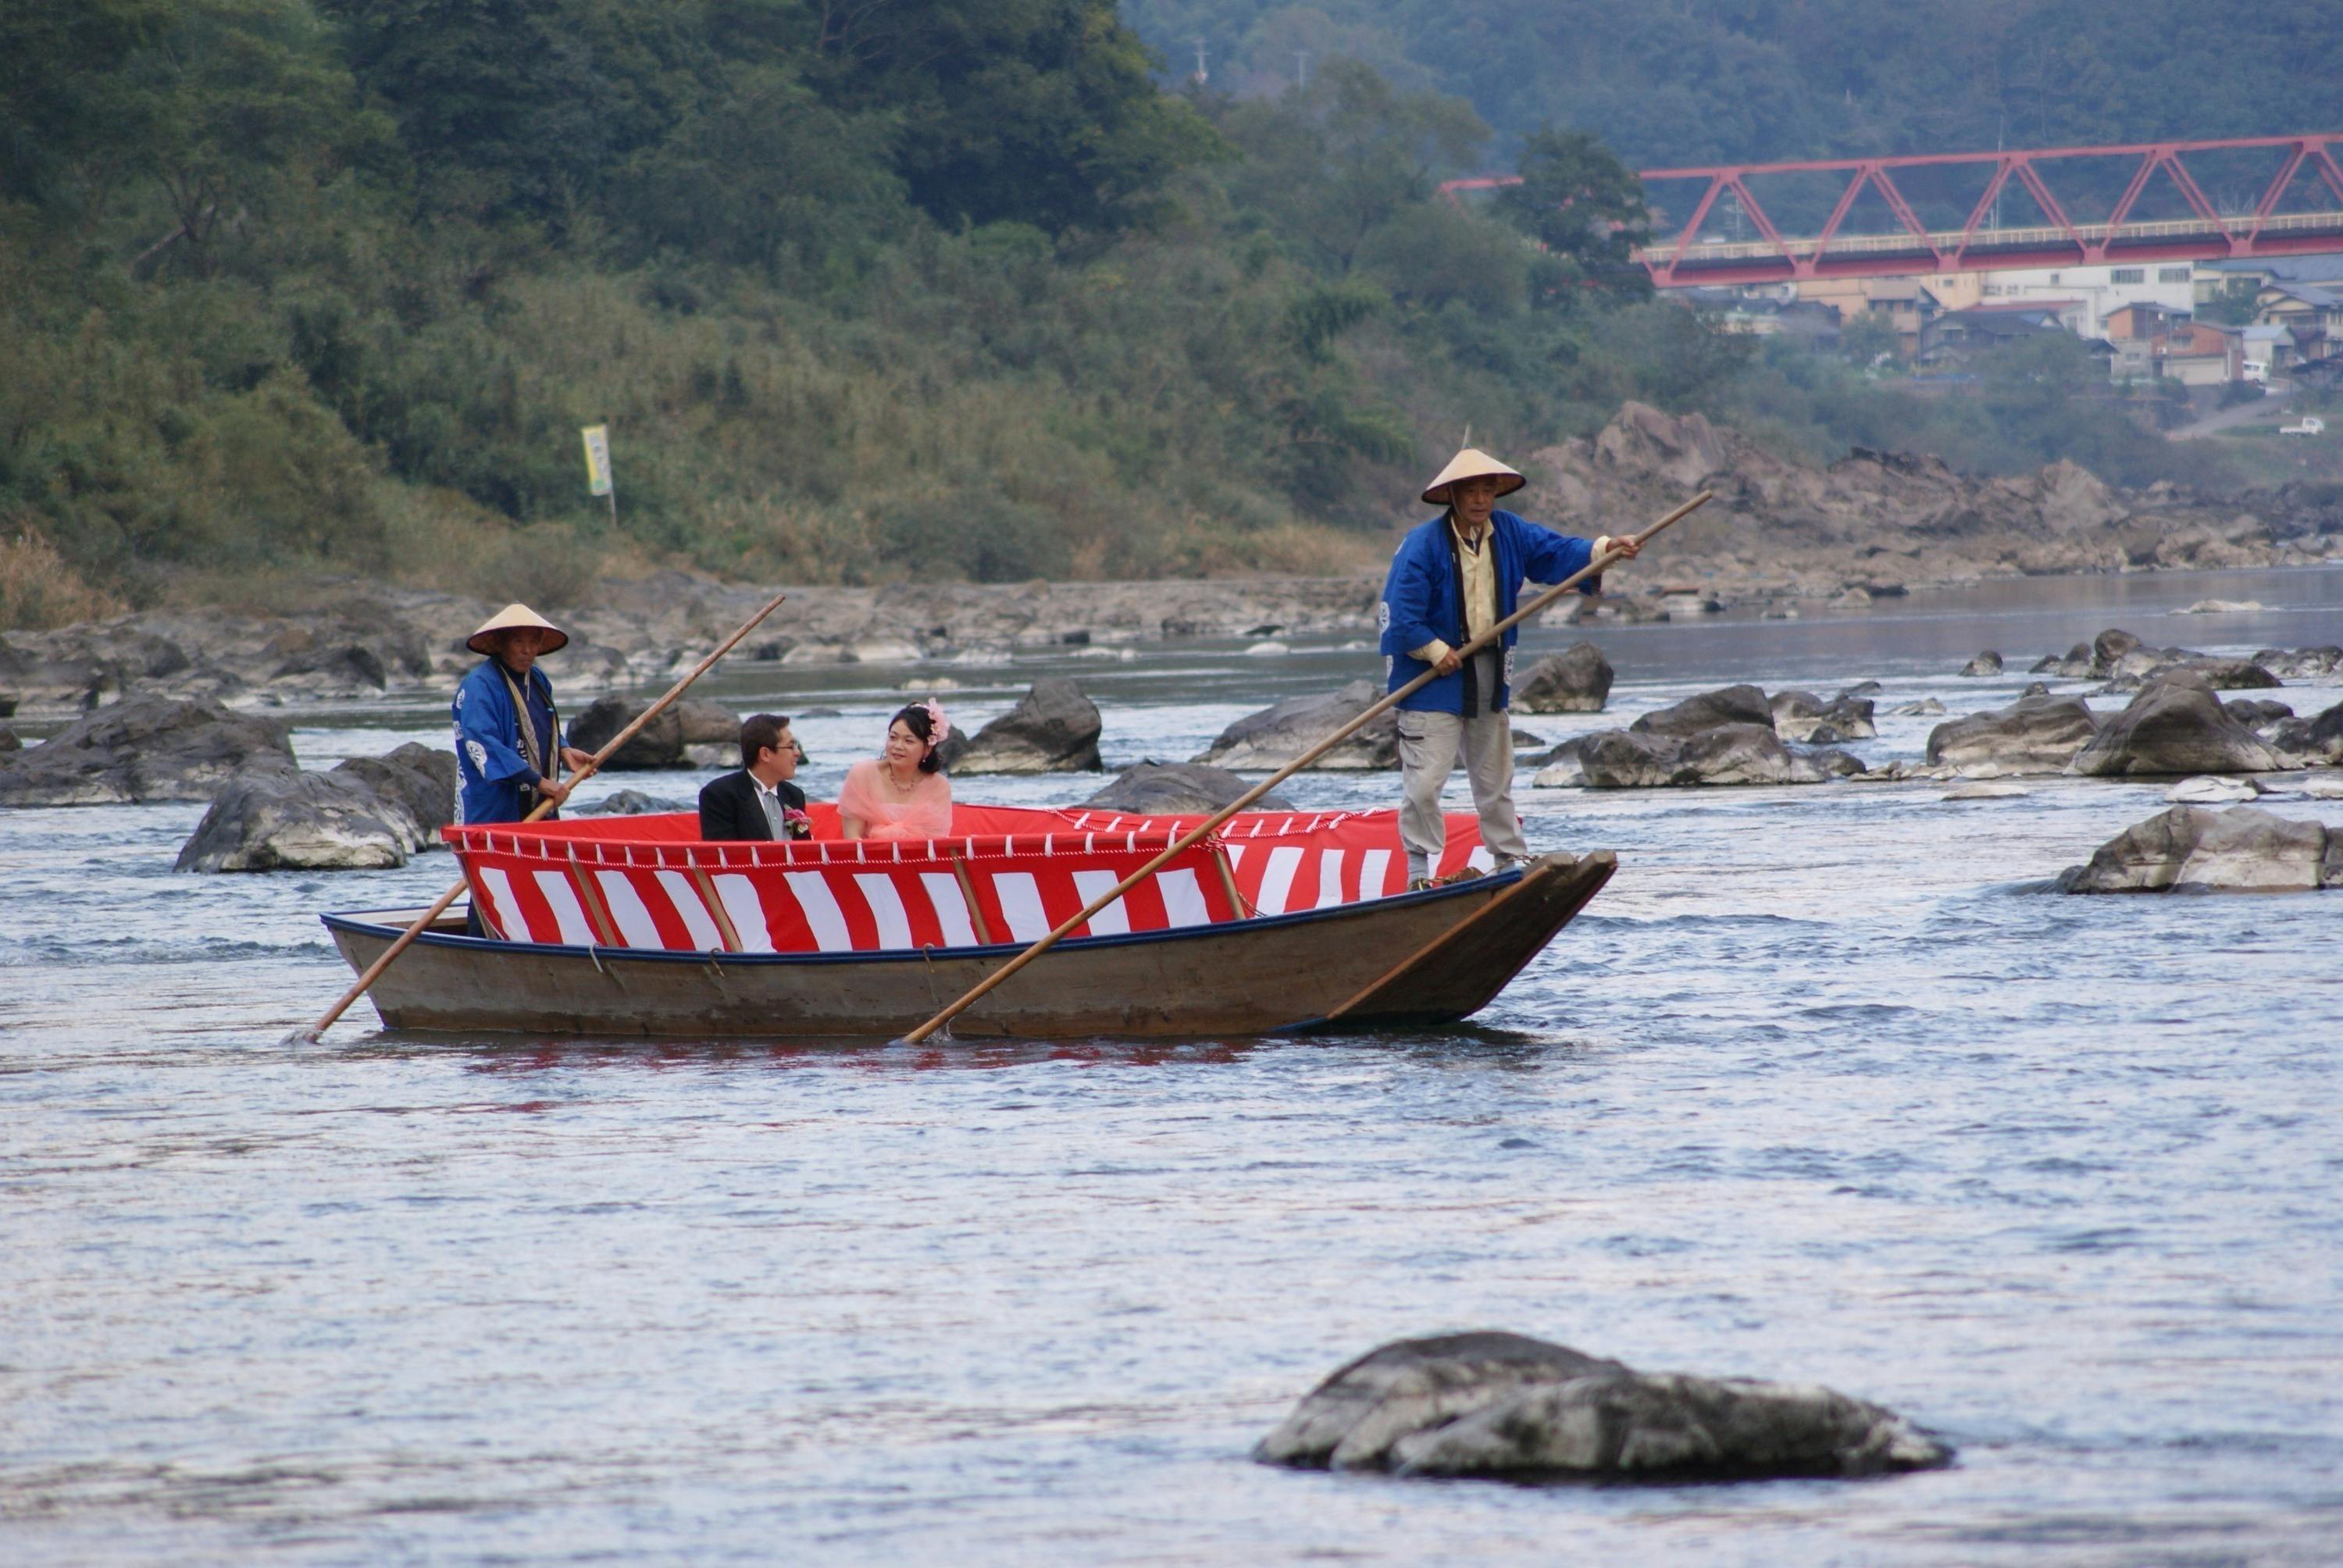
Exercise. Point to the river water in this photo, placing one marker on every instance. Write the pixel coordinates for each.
(1824, 1087)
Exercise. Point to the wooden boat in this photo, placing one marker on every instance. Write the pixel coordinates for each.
(1284, 921)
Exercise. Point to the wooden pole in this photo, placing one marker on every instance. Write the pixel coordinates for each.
(311, 1035)
(1193, 834)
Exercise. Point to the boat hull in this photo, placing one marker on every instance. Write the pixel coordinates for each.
(1420, 958)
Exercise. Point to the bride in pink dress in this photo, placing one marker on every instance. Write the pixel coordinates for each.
(902, 792)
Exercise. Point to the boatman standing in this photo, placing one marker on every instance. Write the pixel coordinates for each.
(508, 753)
(1453, 578)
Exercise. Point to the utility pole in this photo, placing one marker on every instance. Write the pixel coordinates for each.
(2000, 127)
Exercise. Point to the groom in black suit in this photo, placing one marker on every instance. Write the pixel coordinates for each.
(753, 802)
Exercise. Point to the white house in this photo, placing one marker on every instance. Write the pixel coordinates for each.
(2100, 291)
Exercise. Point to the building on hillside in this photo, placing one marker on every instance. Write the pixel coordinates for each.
(2098, 290)
(2214, 279)
(1756, 313)
(2137, 323)
(2155, 342)
(1958, 335)
(1906, 304)
(2313, 318)
(2271, 347)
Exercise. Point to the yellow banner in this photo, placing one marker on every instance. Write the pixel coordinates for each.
(598, 460)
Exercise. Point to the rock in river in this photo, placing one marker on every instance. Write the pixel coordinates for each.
(2209, 789)
(2241, 850)
(144, 749)
(632, 803)
(1177, 788)
(2175, 725)
(416, 778)
(1731, 705)
(1506, 1405)
(1985, 663)
(1053, 729)
(2312, 741)
(658, 744)
(1576, 680)
(2032, 735)
(712, 733)
(1803, 716)
(1726, 754)
(687, 733)
(1277, 735)
(274, 819)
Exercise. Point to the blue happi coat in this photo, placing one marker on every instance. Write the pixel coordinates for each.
(1423, 601)
(489, 766)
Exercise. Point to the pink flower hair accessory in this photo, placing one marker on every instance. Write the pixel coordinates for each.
(937, 722)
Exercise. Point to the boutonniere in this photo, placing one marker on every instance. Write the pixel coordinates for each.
(799, 824)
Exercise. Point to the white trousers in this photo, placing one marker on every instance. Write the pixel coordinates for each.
(1430, 746)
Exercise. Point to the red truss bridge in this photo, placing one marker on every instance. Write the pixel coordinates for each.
(2299, 211)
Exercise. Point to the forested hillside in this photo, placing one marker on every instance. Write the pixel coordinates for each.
(864, 291)
(1704, 81)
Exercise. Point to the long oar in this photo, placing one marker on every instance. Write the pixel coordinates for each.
(1280, 776)
(310, 1035)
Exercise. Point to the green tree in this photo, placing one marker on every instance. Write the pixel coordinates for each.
(235, 96)
(1042, 111)
(1586, 208)
(765, 175)
(1332, 165)
(71, 126)
(524, 106)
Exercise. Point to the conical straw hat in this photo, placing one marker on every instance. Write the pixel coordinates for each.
(1472, 463)
(514, 614)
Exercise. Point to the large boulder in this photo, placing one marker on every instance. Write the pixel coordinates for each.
(2175, 725)
(1802, 716)
(1576, 680)
(1506, 1405)
(1730, 704)
(283, 819)
(417, 778)
(2228, 674)
(1053, 729)
(1726, 754)
(2314, 742)
(2074, 664)
(662, 743)
(2241, 850)
(1985, 663)
(143, 748)
(2143, 665)
(631, 803)
(2032, 735)
(2105, 654)
(2301, 663)
(1277, 735)
(1177, 789)
(712, 733)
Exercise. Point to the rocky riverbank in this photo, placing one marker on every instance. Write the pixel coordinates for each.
(1880, 525)
(1787, 538)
